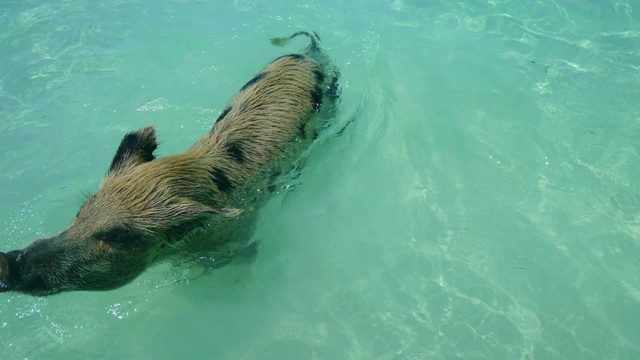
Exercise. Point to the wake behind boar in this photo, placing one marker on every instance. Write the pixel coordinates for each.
(145, 206)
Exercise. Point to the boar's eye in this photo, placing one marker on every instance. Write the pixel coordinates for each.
(118, 234)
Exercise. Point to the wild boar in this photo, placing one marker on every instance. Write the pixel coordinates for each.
(146, 206)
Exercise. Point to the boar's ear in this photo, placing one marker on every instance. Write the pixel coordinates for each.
(222, 212)
(135, 148)
(192, 214)
(193, 208)
(230, 212)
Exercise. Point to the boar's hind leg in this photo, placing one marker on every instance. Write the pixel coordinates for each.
(331, 95)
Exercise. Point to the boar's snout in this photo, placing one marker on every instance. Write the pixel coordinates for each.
(66, 262)
(9, 269)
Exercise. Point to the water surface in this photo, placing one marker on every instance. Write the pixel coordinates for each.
(482, 203)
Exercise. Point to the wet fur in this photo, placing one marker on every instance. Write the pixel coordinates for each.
(263, 120)
(145, 206)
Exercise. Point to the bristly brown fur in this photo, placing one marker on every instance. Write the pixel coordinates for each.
(146, 205)
(263, 121)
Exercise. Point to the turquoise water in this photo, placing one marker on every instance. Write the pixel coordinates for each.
(482, 203)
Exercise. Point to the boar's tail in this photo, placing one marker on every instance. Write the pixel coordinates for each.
(315, 39)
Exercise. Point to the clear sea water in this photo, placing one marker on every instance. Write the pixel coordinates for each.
(483, 203)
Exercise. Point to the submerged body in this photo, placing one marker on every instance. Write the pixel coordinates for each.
(146, 206)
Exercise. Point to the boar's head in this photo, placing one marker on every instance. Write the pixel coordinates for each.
(143, 207)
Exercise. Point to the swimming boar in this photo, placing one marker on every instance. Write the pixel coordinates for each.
(147, 205)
